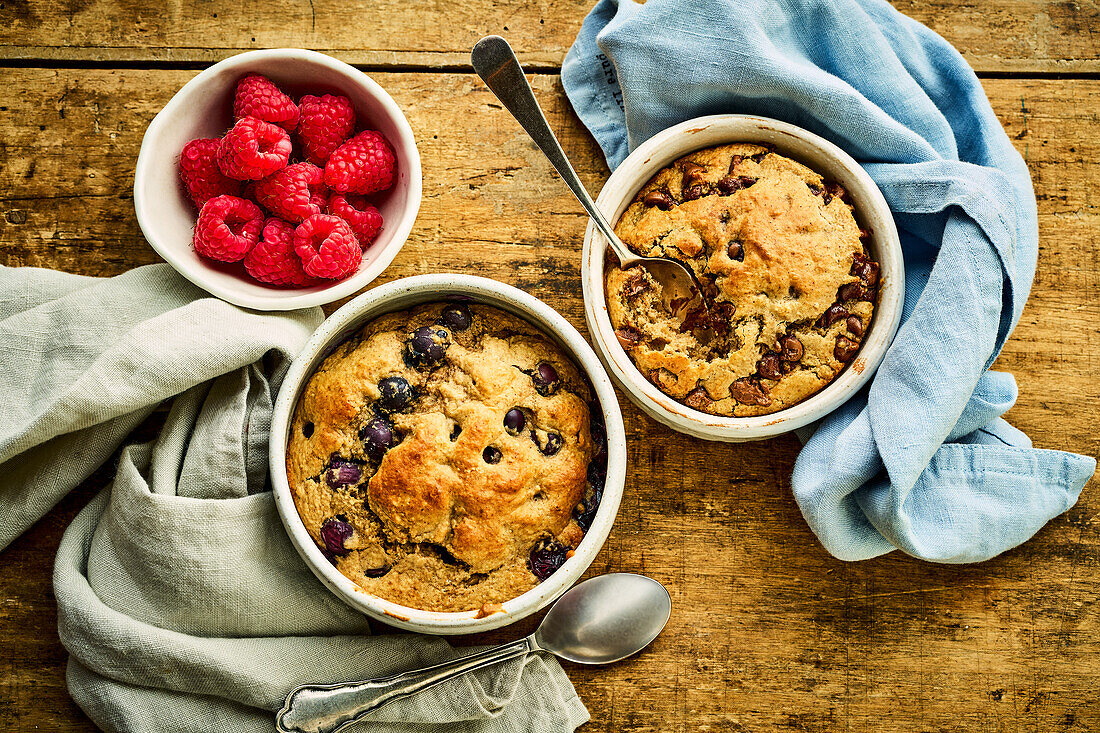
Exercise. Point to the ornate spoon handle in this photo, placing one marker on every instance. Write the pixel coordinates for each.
(327, 708)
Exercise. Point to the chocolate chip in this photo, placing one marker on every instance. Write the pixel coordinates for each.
(790, 348)
(698, 399)
(635, 285)
(865, 269)
(758, 157)
(852, 291)
(845, 349)
(659, 199)
(855, 326)
(833, 313)
(695, 192)
(307, 429)
(770, 366)
(865, 234)
(748, 392)
(834, 190)
(735, 251)
(628, 337)
(693, 174)
(455, 432)
(735, 161)
(815, 188)
(730, 184)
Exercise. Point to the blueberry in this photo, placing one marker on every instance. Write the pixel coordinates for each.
(546, 558)
(597, 473)
(553, 443)
(545, 378)
(456, 317)
(585, 512)
(599, 440)
(427, 346)
(378, 436)
(342, 472)
(334, 532)
(396, 394)
(514, 420)
(492, 455)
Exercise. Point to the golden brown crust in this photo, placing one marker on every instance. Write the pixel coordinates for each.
(454, 530)
(777, 248)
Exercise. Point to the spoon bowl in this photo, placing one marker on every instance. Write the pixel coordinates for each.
(497, 65)
(610, 631)
(602, 620)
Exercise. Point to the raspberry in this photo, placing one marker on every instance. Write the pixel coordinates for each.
(361, 216)
(273, 260)
(258, 97)
(200, 174)
(227, 228)
(326, 122)
(292, 193)
(253, 149)
(327, 246)
(362, 165)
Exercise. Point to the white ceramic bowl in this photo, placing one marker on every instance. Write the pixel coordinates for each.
(203, 108)
(406, 293)
(822, 156)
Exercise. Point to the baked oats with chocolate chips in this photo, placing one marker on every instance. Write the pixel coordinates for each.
(446, 457)
(784, 267)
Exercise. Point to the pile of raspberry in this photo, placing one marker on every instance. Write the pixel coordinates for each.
(293, 224)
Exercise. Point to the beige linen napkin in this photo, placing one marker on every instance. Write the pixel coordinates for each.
(180, 599)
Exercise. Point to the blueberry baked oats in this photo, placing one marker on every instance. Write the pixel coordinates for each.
(783, 265)
(446, 457)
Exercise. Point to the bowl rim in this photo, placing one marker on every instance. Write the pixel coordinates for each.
(438, 287)
(280, 300)
(624, 182)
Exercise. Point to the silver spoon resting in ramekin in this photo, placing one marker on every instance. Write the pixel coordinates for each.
(602, 620)
(497, 65)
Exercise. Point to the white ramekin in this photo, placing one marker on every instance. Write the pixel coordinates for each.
(203, 109)
(406, 293)
(822, 156)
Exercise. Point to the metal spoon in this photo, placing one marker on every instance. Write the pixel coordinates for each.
(602, 620)
(497, 65)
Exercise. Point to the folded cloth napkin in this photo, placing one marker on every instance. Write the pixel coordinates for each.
(181, 601)
(921, 460)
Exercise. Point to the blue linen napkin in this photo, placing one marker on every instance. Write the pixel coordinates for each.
(920, 460)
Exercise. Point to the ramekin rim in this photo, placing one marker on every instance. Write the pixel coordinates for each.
(694, 422)
(440, 286)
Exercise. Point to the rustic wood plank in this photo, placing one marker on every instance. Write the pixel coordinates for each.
(1000, 35)
(769, 631)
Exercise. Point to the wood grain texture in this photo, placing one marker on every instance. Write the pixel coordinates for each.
(998, 35)
(769, 632)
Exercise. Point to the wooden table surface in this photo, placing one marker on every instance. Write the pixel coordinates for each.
(769, 631)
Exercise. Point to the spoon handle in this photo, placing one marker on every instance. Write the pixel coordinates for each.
(497, 65)
(327, 708)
